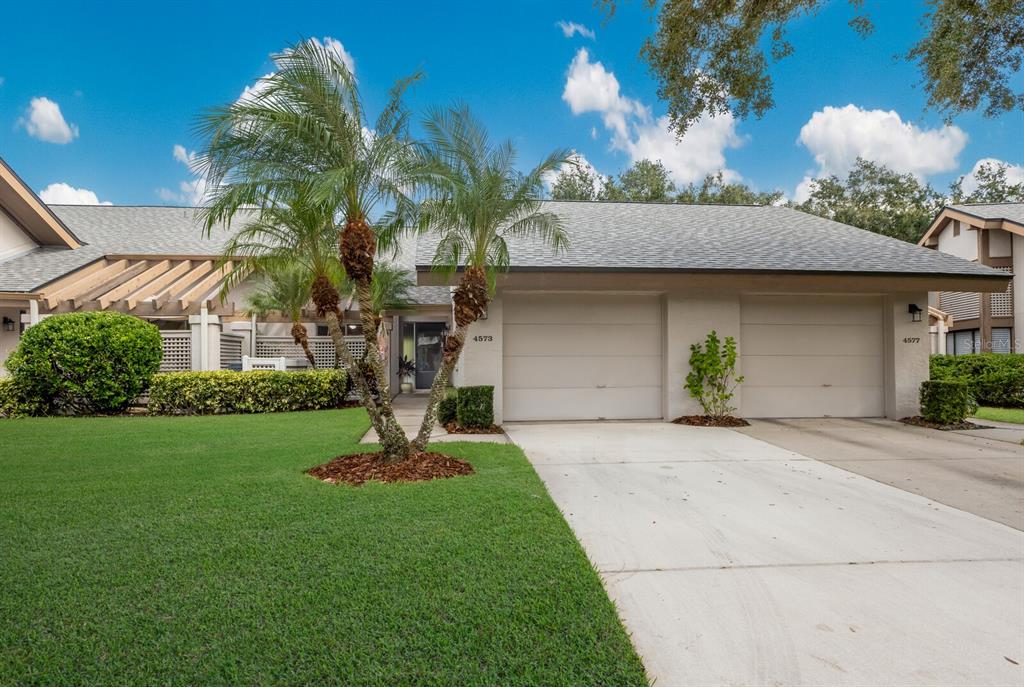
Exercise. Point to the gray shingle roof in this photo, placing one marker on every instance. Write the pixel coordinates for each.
(112, 230)
(132, 230)
(697, 238)
(1011, 211)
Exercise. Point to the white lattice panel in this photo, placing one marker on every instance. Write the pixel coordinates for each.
(962, 306)
(1002, 303)
(230, 350)
(322, 347)
(177, 351)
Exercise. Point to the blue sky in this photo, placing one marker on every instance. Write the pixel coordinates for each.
(129, 79)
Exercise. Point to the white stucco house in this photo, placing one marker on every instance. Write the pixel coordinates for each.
(830, 320)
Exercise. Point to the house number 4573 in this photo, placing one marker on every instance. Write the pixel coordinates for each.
(482, 337)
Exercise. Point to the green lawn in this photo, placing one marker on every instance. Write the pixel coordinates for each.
(194, 551)
(1001, 414)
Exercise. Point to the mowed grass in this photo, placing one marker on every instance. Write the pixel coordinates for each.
(188, 551)
(1001, 414)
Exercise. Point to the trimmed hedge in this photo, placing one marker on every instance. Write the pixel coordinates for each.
(448, 408)
(262, 391)
(475, 406)
(84, 363)
(994, 379)
(946, 401)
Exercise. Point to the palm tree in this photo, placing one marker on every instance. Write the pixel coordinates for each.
(481, 200)
(391, 290)
(307, 127)
(286, 290)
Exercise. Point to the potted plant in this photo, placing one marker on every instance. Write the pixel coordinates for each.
(406, 371)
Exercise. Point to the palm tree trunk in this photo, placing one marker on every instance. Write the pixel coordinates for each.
(302, 338)
(352, 369)
(453, 346)
(394, 444)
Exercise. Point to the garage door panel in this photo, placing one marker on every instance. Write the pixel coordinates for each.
(812, 356)
(808, 339)
(580, 309)
(861, 401)
(630, 403)
(841, 310)
(810, 371)
(581, 356)
(552, 372)
(581, 340)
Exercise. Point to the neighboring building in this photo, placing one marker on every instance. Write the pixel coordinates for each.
(990, 234)
(830, 320)
(155, 263)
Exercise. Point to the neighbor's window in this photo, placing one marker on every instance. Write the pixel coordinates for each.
(1001, 338)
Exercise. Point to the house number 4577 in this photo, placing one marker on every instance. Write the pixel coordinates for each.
(912, 339)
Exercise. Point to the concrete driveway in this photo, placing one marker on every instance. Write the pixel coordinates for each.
(980, 471)
(736, 562)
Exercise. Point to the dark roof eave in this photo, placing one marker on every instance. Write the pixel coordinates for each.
(1006, 276)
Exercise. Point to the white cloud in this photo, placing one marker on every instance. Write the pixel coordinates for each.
(589, 87)
(44, 121)
(593, 132)
(571, 28)
(191, 191)
(803, 189)
(969, 181)
(60, 193)
(249, 92)
(701, 150)
(837, 136)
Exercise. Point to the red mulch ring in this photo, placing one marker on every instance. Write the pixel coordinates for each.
(708, 421)
(358, 468)
(918, 421)
(455, 428)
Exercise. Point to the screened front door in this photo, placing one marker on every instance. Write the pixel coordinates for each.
(429, 339)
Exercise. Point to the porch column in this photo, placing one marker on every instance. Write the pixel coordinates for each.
(206, 330)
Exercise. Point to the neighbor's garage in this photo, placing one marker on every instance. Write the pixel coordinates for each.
(812, 356)
(575, 356)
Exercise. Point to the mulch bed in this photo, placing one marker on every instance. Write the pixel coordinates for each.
(708, 421)
(918, 421)
(455, 428)
(358, 468)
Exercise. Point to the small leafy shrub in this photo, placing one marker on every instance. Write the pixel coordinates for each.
(994, 379)
(448, 409)
(475, 406)
(712, 378)
(261, 391)
(84, 363)
(946, 402)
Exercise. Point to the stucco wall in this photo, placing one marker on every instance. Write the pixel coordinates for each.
(689, 316)
(907, 348)
(999, 242)
(8, 340)
(963, 246)
(481, 362)
(12, 239)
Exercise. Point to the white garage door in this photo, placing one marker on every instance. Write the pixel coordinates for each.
(581, 356)
(812, 356)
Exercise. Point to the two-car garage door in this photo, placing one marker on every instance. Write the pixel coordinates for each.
(581, 356)
(812, 356)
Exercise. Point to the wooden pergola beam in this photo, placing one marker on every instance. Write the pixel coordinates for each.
(111, 283)
(134, 284)
(90, 280)
(159, 284)
(196, 272)
(205, 286)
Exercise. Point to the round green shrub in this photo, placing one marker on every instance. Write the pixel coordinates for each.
(946, 401)
(85, 363)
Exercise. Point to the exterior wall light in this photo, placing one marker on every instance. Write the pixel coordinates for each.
(915, 312)
(8, 324)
